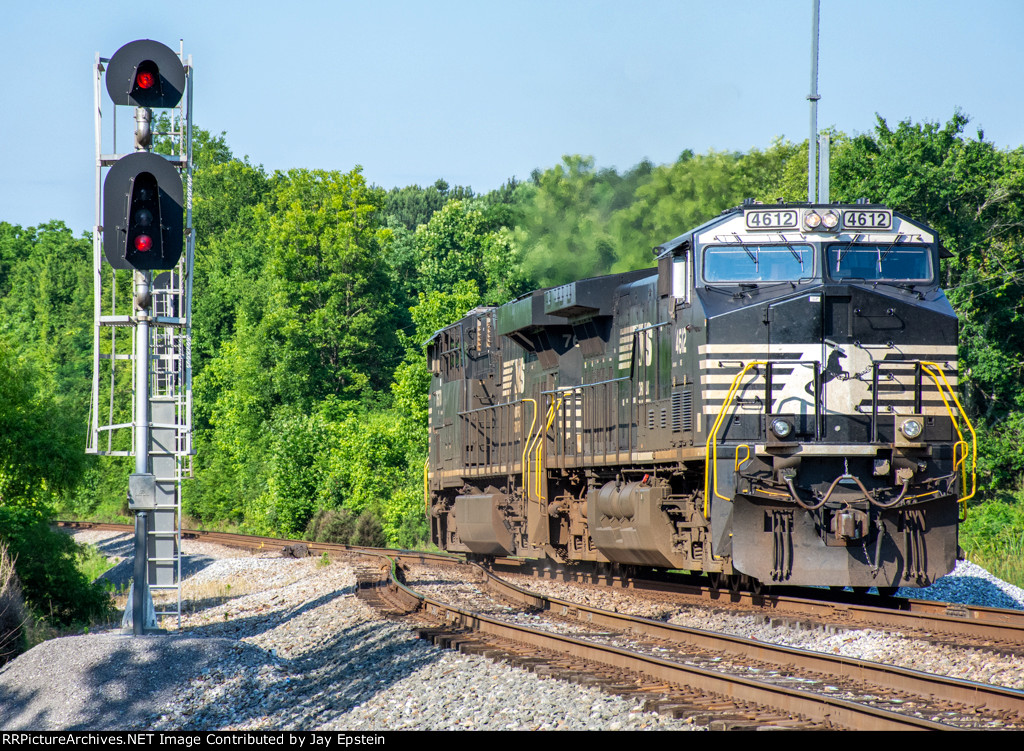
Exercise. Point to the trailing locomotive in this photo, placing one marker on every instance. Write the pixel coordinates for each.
(774, 403)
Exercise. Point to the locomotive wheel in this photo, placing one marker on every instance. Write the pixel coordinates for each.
(887, 591)
(715, 579)
(738, 583)
(757, 586)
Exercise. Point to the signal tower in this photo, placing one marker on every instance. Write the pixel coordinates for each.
(143, 252)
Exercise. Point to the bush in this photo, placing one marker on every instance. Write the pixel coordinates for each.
(341, 527)
(12, 610)
(993, 537)
(369, 532)
(46, 564)
(331, 525)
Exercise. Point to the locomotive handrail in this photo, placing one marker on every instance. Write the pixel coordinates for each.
(497, 453)
(973, 449)
(607, 428)
(526, 448)
(738, 462)
(541, 435)
(567, 389)
(490, 406)
(426, 486)
(711, 452)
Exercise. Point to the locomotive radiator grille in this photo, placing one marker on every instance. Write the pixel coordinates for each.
(682, 411)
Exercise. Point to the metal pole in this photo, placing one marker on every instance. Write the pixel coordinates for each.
(139, 579)
(142, 305)
(812, 142)
(823, 157)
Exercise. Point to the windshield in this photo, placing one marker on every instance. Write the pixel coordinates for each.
(758, 263)
(888, 262)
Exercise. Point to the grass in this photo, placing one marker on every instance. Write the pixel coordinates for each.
(92, 563)
(993, 537)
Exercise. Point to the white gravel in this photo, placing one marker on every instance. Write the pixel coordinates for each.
(969, 584)
(297, 651)
(284, 644)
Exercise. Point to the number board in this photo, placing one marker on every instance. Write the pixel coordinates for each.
(867, 219)
(772, 219)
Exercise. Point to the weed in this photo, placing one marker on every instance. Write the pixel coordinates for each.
(92, 563)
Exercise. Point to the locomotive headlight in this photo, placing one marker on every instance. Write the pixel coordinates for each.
(911, 428)
(830, 220)
(781, 428)
(812, 220)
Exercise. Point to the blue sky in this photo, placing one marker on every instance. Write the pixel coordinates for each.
(477, 92)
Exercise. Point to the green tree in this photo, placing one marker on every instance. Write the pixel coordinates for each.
(40, 459)
(459, 244)
(331, 314)
(565, 231)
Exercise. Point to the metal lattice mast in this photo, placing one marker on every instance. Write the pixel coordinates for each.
(142, 223)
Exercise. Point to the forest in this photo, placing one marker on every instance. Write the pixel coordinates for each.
(315, 291)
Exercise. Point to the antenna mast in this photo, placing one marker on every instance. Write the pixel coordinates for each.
(812, 142)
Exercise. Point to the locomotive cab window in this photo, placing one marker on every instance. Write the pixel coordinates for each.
(758, 263)
(881, 262)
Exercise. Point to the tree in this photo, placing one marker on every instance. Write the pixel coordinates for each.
(331, 314)
(565, 232)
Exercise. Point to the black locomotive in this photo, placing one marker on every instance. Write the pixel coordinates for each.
(774, 403)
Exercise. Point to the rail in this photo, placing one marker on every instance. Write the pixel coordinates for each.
(490, 438)
(593, 428)
(973, 449)
(711, 453)
(961, 448)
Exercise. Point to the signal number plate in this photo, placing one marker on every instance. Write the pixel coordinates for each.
(771, 219)
(862, 219)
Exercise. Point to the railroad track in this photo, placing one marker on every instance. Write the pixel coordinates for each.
(973, 625)
(919, 696)
(925, 701)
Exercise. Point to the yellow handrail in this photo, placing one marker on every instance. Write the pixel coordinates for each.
(973, 449)
(711, 449)
(541, 435)
(736, 464)
(526, 447)
(426, 486)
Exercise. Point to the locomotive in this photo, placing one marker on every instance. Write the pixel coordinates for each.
(774, 403)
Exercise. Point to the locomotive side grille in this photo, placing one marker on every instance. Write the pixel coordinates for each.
(682, 411)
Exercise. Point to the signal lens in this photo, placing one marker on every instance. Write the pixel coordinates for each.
(145, 80)
(143, 243)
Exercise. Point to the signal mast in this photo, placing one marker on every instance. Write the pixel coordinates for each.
(143, 226)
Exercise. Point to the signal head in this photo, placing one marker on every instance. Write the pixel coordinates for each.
(143, 221)
(145, 73)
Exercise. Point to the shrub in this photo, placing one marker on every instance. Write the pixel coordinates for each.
(46, 564)
(369, 532)
(331, 525)
(12, 609)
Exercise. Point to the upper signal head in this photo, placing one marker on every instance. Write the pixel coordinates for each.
(145, 73)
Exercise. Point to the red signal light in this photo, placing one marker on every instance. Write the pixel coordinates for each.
(143, 243)
(145, 80)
